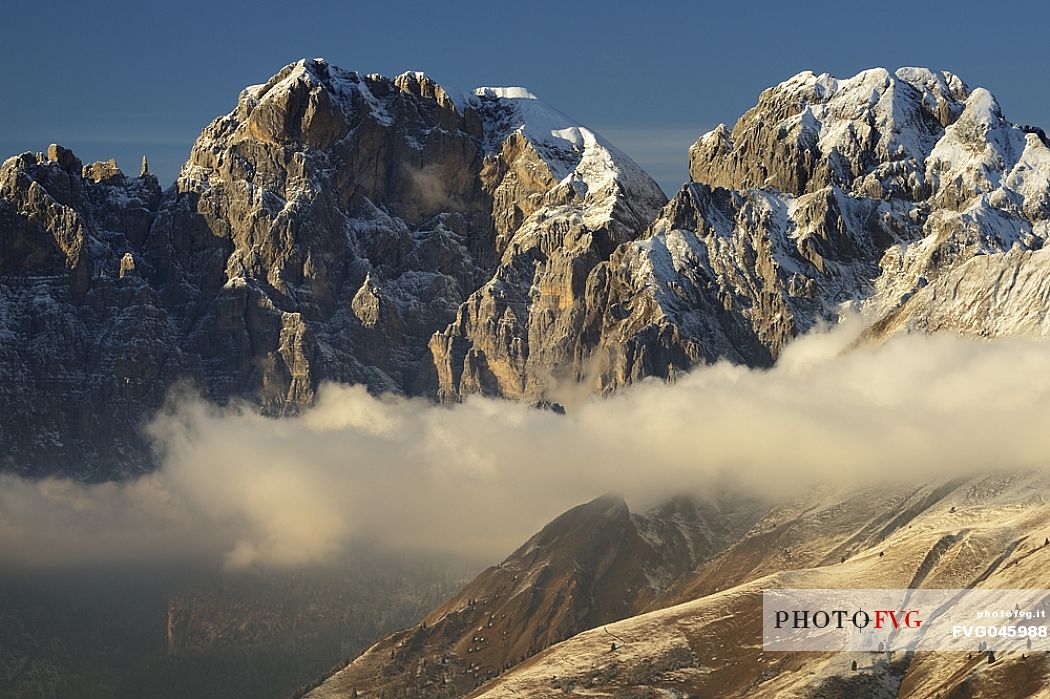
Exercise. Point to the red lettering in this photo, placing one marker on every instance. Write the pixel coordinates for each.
(880, 617)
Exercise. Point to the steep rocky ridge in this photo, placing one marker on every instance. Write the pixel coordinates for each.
(80, 328)
(594, 564)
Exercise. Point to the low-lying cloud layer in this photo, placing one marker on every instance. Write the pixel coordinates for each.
(478, 478)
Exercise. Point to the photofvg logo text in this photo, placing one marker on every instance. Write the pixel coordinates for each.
(838, 618)
(902, 619)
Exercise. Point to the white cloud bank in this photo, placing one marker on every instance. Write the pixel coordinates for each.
(478, 478)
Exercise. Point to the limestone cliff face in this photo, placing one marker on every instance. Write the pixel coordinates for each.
(523, 330)
(325, 229)
(349, 220)
(81, 333)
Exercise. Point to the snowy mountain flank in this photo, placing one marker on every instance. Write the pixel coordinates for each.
(906, 196)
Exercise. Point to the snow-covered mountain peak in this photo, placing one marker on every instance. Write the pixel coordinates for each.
(315, 102)
(870, 134)
(417, 75)
(514, 109)
(308, 71)
(975, 152)
(981, 108)
(577, 156)
(901, 194)
(869, 84)
(934, 82)
(509, 93)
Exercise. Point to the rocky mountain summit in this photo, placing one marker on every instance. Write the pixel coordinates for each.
(906, 196)
(333, 226)
(358, 229)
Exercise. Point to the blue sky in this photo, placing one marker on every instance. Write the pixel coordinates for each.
(122, 79)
